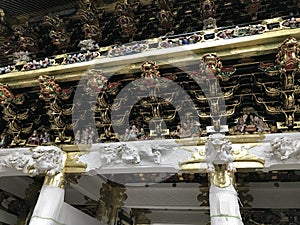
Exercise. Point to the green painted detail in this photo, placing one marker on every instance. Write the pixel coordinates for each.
(222, 215)
(49, 219)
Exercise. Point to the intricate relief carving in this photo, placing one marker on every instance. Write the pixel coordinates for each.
(57, 33)
(43, 160)
(218, 151)
(287, 59)
(15, 160)
(211, 66)
(49, 88)
(96, 82)
(130, 153)
(285, 148)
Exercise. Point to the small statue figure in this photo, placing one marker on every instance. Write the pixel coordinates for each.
(195, 129)
(77, 137)
(142, 134)
(133, 133)
(45, 138)
(289, 81)
(290, 101)
(290, 121)
(34, 139)
(178, 132)
(126, 135)
(91, 136)
(186, 130)
(85, 136)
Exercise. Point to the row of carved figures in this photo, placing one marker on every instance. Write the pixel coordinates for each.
(92, 50)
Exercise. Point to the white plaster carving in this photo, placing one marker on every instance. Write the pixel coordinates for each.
(46, 159)
(88, 44)
(285, 148)
(15, 160)
(133, 152)
(218, 151)
(42, 160)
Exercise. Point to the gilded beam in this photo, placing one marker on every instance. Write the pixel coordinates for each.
(241, 47)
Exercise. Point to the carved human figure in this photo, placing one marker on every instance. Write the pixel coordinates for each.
(290, 121)
(133, 133)
(290, 101)
(91, 135)
(85, 136)
(45, 138)
(142, 134)
(186, 130)
(195, 129)
(34, 139)
(126, 135)
(289, 81)
(77, 137)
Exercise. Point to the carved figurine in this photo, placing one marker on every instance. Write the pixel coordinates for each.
(85, 136)
(34, 139)
(142, 134)
(133, 133)
(77, 137)
(45, 138)
(91, 135)
(126, 135)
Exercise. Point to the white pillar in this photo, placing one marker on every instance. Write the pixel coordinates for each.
(223, 199)
(51, 209)
(49, 206)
